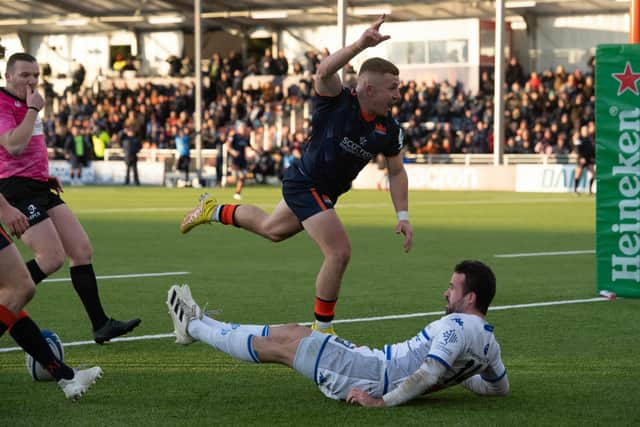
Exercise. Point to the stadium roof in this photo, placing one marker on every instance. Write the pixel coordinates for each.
(74, 16)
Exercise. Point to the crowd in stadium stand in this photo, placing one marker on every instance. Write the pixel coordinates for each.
(547, 113)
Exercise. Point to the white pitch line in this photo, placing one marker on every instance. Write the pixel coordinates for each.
(351, 205)
(126, 276)
(360, 319)
(526, 254)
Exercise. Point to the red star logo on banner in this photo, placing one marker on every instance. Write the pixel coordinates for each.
(627, 80)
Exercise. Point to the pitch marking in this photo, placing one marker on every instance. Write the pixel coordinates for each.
(526, 254)
(360, 319)
(126, 276)
(353, 205)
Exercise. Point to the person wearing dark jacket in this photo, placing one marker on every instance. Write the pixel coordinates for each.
(131, 146)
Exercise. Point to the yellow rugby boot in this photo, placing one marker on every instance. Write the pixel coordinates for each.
(329, 330)
(201, 214)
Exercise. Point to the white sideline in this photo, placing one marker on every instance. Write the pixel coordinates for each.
(526, 254)
(360, 319)
(126, 276)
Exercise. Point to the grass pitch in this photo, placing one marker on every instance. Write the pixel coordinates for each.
(571, 364)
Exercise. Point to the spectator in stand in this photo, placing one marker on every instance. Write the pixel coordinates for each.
(458, 107)
(545, 144)
(486, 84)
(267, 63)
(174, 66)
(131, 145)
(234, 61)
(514, 72)
(577, 110)
(561, 148)
(312, 61)
(443, 108)
(547, 80)
(480, 139)
(119, 63)
(78, 149)
(236, 82)
(564, 125)
(153, 132)
(559, 79)
(526, 143)
(592, 66)
(537, 133)
(215, 66)
(187, 67)
(407, 106)
(415, 136)
(446, 131)
(100, 140)
(433, 144)
(534, 82)
(466, 144)
(512, 146)
(586, 149)
(281, 64)
(77, 77)
(129, 66)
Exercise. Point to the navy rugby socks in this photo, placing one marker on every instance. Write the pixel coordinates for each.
(37, 275)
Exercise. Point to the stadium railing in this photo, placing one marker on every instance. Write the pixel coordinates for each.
(487, 159)
(169, 156)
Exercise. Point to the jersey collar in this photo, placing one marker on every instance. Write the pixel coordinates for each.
(4, 89)
(366, 117)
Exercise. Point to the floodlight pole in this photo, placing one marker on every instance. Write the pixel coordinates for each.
(198, 85)
(498, 102)
(342, 30)
(634, 21)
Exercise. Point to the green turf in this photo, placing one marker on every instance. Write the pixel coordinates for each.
(568, 364)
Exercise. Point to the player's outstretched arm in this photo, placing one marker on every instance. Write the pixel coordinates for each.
(399, 189)
(416, 384)
(326, 81)
(478, 385)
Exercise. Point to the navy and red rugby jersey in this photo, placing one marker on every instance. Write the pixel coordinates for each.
(342, 142)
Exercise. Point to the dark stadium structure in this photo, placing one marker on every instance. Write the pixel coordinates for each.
(66, 16)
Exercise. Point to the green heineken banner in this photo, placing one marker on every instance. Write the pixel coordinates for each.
(618, 169)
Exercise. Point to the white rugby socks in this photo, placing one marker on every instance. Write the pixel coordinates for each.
(230, 338)
(260, 330)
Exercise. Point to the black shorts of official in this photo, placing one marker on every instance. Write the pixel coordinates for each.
(5, 239)
(32, 197)
(304, 199)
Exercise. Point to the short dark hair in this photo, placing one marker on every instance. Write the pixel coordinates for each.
(478, 278)
(19, 57)
(379, 65)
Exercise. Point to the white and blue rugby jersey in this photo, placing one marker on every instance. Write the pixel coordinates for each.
(463, 343)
